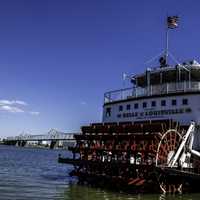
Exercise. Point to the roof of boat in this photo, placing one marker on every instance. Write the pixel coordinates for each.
(190, 65)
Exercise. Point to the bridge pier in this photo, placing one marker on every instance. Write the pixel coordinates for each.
(23, 143)
(17, 144)
(20, 143)
(54, 144)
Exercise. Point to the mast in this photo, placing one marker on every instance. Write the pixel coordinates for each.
(167, 43)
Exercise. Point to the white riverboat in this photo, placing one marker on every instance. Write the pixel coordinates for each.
(150, 132)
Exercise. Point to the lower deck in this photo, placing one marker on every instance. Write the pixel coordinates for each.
(133, 178)
(134, 156)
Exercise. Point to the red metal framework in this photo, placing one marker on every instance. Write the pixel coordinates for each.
(124, 155)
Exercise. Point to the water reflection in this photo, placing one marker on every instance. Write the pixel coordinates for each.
(77, 192)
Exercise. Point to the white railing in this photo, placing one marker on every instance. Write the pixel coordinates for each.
(166, 88)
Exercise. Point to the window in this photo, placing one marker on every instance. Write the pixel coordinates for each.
(136, 105)
(144, 104)
(108, 112)
(163, 103)
(153, 103)
(185, 101)
(173, 102)
(128, 107)
(120, 108)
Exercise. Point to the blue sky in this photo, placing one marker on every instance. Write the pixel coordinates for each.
(57, 58)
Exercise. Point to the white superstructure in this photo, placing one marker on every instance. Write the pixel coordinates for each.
(165, 92)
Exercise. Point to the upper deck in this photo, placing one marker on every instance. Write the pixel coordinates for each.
(166, 80)
(152, 90)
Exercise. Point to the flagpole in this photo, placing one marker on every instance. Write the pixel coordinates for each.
(171, 24)
(167, 43)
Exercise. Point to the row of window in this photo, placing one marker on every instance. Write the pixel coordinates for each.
(153, 104)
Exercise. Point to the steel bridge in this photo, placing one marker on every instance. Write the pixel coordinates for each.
(53, 137)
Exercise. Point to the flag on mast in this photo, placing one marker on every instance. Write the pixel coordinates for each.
(172, 21)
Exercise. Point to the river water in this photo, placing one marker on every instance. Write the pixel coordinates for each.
(34, 174)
